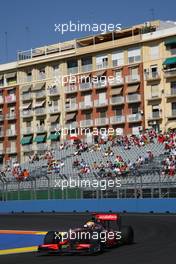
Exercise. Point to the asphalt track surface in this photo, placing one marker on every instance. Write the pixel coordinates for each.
(155, 239)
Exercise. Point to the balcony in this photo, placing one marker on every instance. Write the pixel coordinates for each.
(172, 93)
(84, 105)
(86, 123)
(27, 148)
(53, 91)
(11, 116)
(73, 70)
(117, 100)
(85, 86)
(132, 78)
(170, 73)
(134, 118)
(40, 94)
(71, 107)
(154, 116)
(41, 146)
(102, 65)
(86, 68)
(40, 129)
(71, 125)
(40, 111)
(55, 109)
(27, 130)
(11, 133)
(27, 113)
(54, 127)
(71, 89)
(100, 84)
(152, 76)
(172, 114)
(27, 96)
(133, 98)
(154, 97)
(11, 150)
(101, 121)
(10, 99)
(117, 119)
(98, 103)
(118, 81)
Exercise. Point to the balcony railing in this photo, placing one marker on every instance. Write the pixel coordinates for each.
(102, 65)
(117, 119)
(41, 146)
(27, 130)
(132, 98)
(154, 115)
(71, 125)
(169, 73)
(27, 148)
(11, 150)
(71, 88)
(85, 86)
(132, 78)
(71, 107)
(54, 127)
(10, 99)
(40, 94)
(53, 91)
(101, 121)
(117, 81)
(11, 133)
(173, 113)
(40, 129)
(26, 96)
(83, 105)
(55, 109)
(154, 96)
(72, 70)
(152, 76)
(98, 103)
(86, 68)
(10, 116)
(86, 123)
(100, 84)
(40, 111)
(134, 118)
(27, 113)
(117, 100)
(172, 93)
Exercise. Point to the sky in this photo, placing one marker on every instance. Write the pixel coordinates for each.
(26, 24)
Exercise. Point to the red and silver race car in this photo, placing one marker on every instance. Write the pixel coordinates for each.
(103, 231)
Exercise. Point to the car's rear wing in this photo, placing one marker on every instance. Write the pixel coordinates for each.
(106, 217)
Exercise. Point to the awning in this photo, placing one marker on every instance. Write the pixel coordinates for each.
(38, 86)
(99, 73)
(39, 104)
(53, 136)
(1, 77)
(70, 116)
(10, 75)
(116, 91)
(133, 88)
(170, 41)
(26, 106)
(26, 88)
(26, 140)
(40, 138)
(53, 118)
(169, 61)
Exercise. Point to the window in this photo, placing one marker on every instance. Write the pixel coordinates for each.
(101, 61)
(118, 59)
(88, 116)
(118, 111)
(102, 98)
(173, 88)
(134, 55)
(154, 90)
(42, 74)
(87, 99)
(29, 76)
(155, 111)
(135, 109)
(102, 114)
(134, 72)
(86, 64)
(154, 71)
(174, 108)
(154, 52)
(55, 70)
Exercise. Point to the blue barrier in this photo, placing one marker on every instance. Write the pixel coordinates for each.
(120, 205)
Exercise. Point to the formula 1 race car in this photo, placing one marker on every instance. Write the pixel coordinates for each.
(103, 231)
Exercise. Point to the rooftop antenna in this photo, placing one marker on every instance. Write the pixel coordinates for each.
(6, 46)
(152, 12)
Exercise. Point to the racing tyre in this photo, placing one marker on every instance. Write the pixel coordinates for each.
(127, 235)
(52, 237)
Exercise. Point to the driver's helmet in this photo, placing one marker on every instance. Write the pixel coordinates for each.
(90, 224)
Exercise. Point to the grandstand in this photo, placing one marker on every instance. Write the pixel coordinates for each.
(144, 164)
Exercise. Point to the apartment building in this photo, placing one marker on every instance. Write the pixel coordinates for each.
(142, 60)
